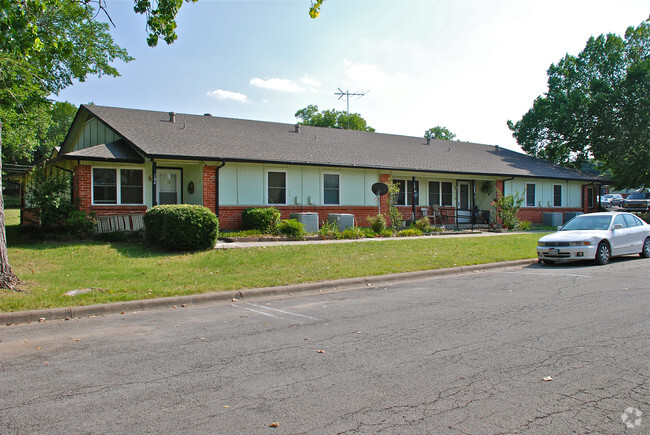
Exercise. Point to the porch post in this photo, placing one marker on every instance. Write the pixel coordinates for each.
(216, 187)
(153, 184)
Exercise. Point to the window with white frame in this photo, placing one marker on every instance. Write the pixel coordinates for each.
(113, 186)
(530, 195)
(440, 193)
(276, 187)
(406, 192)
(331, 189)
(557, 195)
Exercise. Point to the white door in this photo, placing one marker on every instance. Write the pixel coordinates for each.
(169, 186)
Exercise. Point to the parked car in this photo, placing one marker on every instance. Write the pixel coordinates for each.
(637, 201)
(611, 200)
(605, 201)
(596, 236)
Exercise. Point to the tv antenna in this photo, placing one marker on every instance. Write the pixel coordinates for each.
(348, 94)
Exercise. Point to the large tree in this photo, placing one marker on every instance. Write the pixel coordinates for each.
(439, 132)
(332, 118)
(597, 106)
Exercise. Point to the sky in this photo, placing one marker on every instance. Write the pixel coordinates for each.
(468, 65)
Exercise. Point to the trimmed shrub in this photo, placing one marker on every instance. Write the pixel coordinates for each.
(292, 228)
(181, 227)
(329, 230)
(423, 224)
(264, 219)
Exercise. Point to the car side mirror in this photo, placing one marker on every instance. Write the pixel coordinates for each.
(618, 226)
(559, 228)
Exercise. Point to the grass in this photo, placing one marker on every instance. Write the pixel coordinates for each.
(131, 271)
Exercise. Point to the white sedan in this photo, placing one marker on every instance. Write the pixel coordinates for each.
(596, 236)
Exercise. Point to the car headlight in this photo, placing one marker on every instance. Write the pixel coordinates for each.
(580, 243)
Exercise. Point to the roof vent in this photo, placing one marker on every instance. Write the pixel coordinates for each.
(172, 116)
(428, 141)
(297, 129)
(496, 148)
(207, 114)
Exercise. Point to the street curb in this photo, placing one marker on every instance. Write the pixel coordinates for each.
(237, 295)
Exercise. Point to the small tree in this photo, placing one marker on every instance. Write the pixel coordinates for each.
(506, 208)
(393, 212)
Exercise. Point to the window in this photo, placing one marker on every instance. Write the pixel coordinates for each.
(530, 195)
(331, 189)
(277, 187)
(406, 192)
(108, 188)
(590, 197)
(440, 193)
(557, 195)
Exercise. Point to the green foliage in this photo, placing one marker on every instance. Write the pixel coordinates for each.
(181, 227)
(161, 18)
(409, 232)
(329, 230)
(332, 118)
(597, 105)
(292, 228)
(439, 132)
(393, 212)
(50, 194)
(352, 233)
(506, 208)
(377, 223)
(264, 219)
(423, 224)
(524, 226)
(314, 10)
(386, 233)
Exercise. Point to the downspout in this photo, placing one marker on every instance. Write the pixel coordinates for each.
(216, 186)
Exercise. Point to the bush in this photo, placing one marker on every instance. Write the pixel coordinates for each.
(352, 233)
(524, 226)
(377, 223)
(292, 228)
(410, 232)
(264, 219)
(423, 224)
(386, 233)
(181, 227)
(506, 208)
(329, 230)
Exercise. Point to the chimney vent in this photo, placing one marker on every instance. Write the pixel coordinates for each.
(172, 116)
(496, 148)
(207, 114)
(297, 130)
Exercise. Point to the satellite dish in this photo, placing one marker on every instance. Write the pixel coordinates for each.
(379, 189)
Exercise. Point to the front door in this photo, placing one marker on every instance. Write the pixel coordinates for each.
(463, 196)
(169, 186)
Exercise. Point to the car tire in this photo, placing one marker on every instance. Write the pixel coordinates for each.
(603, 253)
(645, 250)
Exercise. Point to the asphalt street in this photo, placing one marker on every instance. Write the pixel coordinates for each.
(532, 349)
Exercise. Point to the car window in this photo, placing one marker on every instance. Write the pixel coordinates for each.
(587, 222)
(619, 220)
(630, 221)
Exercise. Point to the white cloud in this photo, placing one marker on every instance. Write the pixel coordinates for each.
(275, 84)
(220, 94)
(310, 82)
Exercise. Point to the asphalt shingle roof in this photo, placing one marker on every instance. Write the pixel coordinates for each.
(197, 137)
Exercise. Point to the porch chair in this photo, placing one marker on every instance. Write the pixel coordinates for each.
(435, 211)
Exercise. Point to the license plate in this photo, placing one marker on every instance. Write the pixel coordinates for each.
(553, 251)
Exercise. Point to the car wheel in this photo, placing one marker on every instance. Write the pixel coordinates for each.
(645, 252)
(603, 253)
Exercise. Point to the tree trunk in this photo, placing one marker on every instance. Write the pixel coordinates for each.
(7, 278)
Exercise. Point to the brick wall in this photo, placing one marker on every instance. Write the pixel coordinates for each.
(210, 189)
(82, 186)
(534, 214)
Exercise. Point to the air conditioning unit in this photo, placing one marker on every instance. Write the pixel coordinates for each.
(570, 215)
(309, 220)
(342, 220)
(551, 219)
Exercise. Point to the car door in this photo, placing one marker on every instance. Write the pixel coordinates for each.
(620, 236)
(637, 234)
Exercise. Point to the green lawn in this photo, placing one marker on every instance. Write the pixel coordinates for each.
(130, 271)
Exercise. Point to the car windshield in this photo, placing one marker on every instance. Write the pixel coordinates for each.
(587, 222)
(639, 196)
